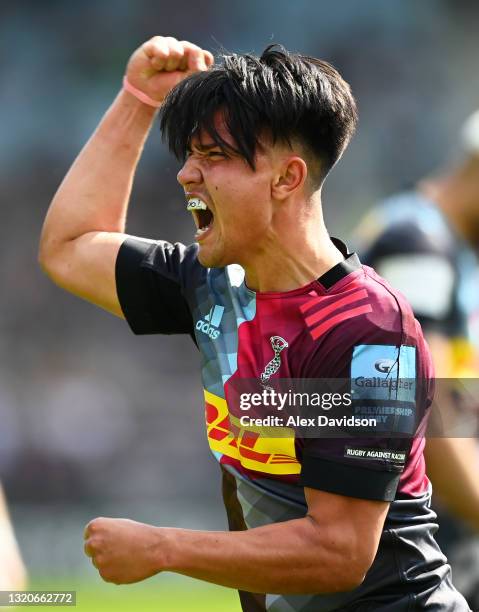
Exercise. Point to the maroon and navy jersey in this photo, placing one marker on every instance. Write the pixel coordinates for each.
(348, 325)
(410, 242)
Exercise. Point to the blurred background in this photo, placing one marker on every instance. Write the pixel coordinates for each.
(93, 420)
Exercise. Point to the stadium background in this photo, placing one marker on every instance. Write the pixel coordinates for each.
(94, 421)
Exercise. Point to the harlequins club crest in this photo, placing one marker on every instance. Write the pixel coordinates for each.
(278, 344)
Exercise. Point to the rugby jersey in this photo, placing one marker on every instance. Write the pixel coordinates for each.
(347, 325)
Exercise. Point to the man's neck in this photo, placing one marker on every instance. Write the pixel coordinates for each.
(288, 264)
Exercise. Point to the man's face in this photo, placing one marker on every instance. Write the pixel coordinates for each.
(235, 226)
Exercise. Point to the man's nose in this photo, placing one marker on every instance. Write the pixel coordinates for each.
(189, 173)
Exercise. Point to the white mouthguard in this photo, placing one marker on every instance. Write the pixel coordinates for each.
(196, 204)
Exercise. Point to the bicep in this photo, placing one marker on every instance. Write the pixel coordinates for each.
(137, 279)
(86, 268)
(358, 522)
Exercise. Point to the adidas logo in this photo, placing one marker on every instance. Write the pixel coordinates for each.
(209, 325)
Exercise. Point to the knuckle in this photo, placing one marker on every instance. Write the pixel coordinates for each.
(188, 46)
(94, 527)
(151, 45)
(99, 562)
(160, 53)
(159, 46)
(100, 559)
(95, 524)
(92, 546)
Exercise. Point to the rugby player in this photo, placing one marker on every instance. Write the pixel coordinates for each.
(425, 241)
(13, 574)
(265, 293)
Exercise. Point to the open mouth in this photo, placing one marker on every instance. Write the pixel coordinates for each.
(202, 215)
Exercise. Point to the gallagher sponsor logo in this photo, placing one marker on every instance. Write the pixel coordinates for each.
(385, 365)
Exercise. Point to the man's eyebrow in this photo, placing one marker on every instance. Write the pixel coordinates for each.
(205, 146)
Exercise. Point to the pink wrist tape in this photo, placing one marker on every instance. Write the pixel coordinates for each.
(139, 94)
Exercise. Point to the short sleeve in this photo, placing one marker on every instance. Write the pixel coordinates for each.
(152, 280)
(358, 460)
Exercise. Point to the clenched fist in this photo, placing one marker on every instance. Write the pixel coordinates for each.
(162, 62)
(124, 551)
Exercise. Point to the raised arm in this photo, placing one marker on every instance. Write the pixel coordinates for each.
(85, 224)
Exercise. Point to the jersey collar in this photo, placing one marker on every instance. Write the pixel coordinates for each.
(350, 264)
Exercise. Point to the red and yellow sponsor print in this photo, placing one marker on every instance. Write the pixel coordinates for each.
(255, 449)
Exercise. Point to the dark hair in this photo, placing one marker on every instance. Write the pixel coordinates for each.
(287, 96)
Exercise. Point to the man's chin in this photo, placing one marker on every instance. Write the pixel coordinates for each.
(210, 259)
(207, 259)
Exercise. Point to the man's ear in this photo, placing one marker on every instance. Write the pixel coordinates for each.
(290, 177)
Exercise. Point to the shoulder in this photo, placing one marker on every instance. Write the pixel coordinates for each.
(404, 224)
(155, 282)
(153, 263)
(383, 311)
(414, 248)
(157, 255)
(385, 319)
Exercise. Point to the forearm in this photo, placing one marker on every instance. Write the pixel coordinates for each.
(94, 194)
(328, 550)
(295, 556)
(85, 227)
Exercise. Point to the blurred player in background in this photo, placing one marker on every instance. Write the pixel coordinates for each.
(12, 571)
(425, 243)
(315, 524)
